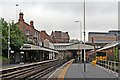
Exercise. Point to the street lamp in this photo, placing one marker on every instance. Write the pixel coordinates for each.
(84, 40)
(9, 41)
(9, 48)
(16, 11)
(80, 28)
(80, 36)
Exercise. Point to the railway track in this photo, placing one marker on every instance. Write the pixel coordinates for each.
(31, 71)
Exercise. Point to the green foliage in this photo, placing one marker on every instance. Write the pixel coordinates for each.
(116, 54)
(0, 38)
(4, 27)
(3, 59)
(16, 36)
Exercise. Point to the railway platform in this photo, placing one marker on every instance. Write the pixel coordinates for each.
(75, 71)
(92, 71)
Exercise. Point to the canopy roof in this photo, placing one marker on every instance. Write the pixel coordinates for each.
(34, 47)
(72, 46)
(110, 46)
(79, 46)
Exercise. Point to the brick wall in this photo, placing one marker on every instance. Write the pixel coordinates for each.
(28, 30)
(60, 37)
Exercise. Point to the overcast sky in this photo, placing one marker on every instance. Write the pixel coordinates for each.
(51, 15)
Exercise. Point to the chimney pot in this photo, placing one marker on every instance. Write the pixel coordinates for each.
(21, 16)
(31, 23)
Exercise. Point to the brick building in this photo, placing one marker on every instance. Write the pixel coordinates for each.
(28, 30)
(60, 37)
(44, 35)
(37, 37)
(102, 38)
(55, 37)
(115, 32)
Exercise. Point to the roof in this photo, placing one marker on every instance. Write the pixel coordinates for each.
(114, 31)
(79, 46)
(98, 33)
(62, 44)
(110, 46)
(34, 47)
(72, 46)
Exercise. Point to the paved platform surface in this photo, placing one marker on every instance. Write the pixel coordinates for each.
(92, 71)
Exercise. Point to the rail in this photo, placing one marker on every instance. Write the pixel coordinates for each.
(30, 71)
(111, 66)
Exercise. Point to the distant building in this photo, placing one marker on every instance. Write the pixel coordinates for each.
(60, 37)
(28, 30)
(44, 35)
(103, 38)
(55, 37)
(116, 33)
(37, 37)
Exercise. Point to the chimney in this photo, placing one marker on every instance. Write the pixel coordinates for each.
(21, 16)
(31, 23)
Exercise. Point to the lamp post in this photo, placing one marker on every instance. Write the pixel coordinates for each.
(16, 11)
(84, 40)
(80, 29)
(9, 48)
(9, 41)
(80, 35)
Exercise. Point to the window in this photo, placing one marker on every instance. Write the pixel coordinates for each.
(27, 32)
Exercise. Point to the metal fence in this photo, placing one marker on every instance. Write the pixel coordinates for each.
(110, 65)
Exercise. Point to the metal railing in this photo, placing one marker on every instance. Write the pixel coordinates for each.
(110, 65)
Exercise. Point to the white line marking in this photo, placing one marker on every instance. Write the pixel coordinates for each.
(57, 70)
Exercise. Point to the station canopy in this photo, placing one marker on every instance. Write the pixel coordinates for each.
(80, 46)
(36, 48)
(72, 46)
(113, 44)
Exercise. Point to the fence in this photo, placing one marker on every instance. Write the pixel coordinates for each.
(110, 65)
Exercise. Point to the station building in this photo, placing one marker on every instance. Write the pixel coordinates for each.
(29, 30)
(41, 47)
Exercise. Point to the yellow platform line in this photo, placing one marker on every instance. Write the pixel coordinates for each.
(63, 72)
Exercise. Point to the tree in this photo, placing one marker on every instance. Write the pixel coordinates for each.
(4, 27)
(17, 38)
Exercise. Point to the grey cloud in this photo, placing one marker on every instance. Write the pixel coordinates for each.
(61, 15)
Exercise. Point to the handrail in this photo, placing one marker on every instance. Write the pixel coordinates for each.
(110, 65)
